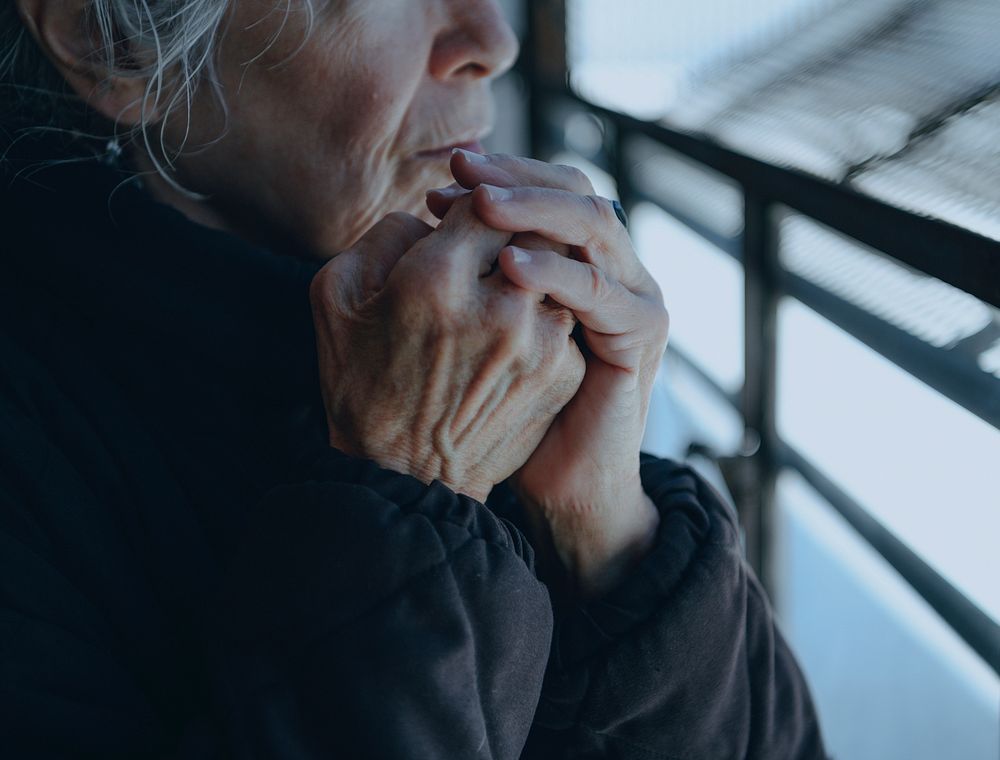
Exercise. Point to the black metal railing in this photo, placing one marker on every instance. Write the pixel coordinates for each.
(956, 256)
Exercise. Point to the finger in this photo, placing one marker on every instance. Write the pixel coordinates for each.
(472, 169)
(463, 246)
(379, 249)
(586, 222)
(509, 171)
(618, 323)
(440, 199)
(598, 301)
(535, 242)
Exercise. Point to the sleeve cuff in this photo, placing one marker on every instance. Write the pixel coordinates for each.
(692, 518)
(436, 501)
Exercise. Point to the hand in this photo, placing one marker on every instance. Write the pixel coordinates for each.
(432, 363)
(583, 480)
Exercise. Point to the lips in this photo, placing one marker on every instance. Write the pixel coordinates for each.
(474, 146)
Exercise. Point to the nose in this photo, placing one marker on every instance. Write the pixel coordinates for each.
(476, 43)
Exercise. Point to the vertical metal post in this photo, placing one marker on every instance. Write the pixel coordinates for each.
(621, 169)
(529, 71)
(544, 63)
(762, 270)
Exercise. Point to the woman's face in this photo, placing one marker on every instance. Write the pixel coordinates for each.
(328, 133)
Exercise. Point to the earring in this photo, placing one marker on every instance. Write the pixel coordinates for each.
(112, 152)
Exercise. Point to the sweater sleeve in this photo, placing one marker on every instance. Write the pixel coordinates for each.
(683, 660)
(362, 614)
(369, 615)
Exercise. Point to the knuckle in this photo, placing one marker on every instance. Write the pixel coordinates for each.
(575, 179)
(662, 335)
(655, 336)
(600, 286)
(657, 322)
(324, 284)
(602, 208)
(664, 324)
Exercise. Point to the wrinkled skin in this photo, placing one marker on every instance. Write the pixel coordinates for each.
(582, 482)
(331, 129)
(432, 363)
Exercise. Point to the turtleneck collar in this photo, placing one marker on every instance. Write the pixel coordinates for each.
(88, 236)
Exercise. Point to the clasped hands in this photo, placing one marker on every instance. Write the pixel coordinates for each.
(449, 354)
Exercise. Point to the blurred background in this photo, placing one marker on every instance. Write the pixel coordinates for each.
(816, 186)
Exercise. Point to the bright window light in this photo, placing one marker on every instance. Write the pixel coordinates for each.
(703, 290)
(922, 465)
(890, 678)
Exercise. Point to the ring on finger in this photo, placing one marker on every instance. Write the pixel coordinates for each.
(620, 213)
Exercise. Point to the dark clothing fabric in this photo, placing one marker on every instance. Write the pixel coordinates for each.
(187, 570)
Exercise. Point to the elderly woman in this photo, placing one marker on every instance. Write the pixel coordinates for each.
(291, 468)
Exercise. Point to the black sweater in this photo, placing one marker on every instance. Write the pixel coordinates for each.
(188, 571)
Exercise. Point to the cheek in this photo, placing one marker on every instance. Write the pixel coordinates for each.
(365, 83)
(350, 125)
(325, 127)
(364, 143)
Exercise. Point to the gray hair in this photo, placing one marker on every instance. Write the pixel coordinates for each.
(171, 44)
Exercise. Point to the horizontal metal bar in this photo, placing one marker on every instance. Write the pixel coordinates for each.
(952, 373)
(972, 625)
(952, 254)
(929, 127)
(961, 258)
(730, 245)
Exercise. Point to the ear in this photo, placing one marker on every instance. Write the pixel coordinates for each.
(61, 30)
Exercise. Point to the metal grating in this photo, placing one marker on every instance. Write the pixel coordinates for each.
(952, 173)
(922, 306)
(933, 314)
(880, 74)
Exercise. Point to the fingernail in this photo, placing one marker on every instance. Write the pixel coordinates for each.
(472, 158)
(521, 256)
(498, 193)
